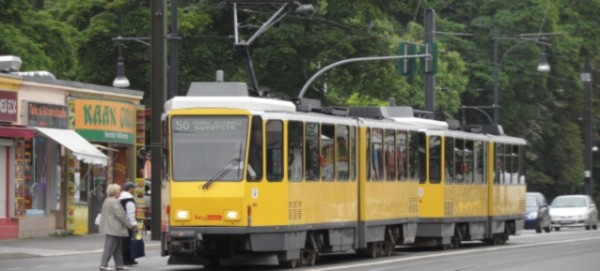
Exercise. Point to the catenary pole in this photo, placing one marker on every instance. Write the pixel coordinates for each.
(429, 22)
(158, 87)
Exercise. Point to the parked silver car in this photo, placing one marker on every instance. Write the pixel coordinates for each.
(573, 211)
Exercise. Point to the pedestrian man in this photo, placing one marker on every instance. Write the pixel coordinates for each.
(128, 203)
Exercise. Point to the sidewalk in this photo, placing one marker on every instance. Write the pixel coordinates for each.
(59, 246)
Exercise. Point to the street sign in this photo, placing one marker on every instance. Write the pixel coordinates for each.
(406, 66)
(429, 64)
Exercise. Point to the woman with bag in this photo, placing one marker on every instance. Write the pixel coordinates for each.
(132, 248)
(115, 225)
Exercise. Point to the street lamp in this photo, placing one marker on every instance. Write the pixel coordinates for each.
(544, 66)
(586, 78)
(120, 81)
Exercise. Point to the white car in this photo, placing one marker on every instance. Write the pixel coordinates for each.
(573, 211)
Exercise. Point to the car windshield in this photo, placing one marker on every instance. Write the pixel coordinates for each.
(209, 147)
(569, 202)
(531, 201)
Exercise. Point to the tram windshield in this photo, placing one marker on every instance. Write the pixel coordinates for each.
(209, 148)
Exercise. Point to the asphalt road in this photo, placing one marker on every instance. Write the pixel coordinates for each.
(575, 249)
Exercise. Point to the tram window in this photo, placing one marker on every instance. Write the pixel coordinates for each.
(413, 157)
(327, 152)
(401, 155)
(295, 151)
(368, 152)
(390, 155)
(449, 160)
(459, 161)
(435, 159)
(514, 161)
(470, 161)
(478, 162)
(274, 150)
(342, 154)
(499, 163)
(352, 165)
(165, 150)
(508, 159)
(521, 152)
(376, 154)
(421, 162)
(255, 161)
(196, 138)
(311, 139)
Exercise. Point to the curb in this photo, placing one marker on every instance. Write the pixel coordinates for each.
(16, 254)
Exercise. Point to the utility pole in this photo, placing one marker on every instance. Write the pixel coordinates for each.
(158, 87)
(429, 22)
(173, 61)
(586, 78)
(496, 68)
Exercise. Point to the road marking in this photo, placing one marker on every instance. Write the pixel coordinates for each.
(410, 258)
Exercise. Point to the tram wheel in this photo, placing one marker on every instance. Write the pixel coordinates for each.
(309, 257)
(291, 263)
(388, 248)
(373, 250)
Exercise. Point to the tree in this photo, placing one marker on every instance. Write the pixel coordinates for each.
(42, 42)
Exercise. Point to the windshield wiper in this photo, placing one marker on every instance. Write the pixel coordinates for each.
(222, 172)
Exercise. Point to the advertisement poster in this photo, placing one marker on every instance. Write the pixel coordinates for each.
(20, 177)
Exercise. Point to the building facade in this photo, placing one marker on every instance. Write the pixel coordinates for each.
(66, 142)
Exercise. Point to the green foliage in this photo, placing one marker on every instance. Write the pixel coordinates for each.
(42, 42)
(73, 39)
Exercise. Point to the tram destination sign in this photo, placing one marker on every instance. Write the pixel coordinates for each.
(231, 125)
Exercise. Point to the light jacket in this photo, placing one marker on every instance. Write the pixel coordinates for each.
(129, 204)
(114, 220)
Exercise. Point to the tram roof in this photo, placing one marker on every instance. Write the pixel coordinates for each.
(240, 102)
(508, 139)
(458, 134)
(423, 123)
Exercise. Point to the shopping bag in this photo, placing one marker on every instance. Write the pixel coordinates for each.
(137, 248)
(98, 219)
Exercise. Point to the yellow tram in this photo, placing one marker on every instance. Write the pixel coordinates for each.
(250, 178)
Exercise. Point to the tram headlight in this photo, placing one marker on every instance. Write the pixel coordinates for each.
(232, 215)
(182, 215)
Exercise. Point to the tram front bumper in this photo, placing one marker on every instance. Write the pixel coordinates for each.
(184, 241)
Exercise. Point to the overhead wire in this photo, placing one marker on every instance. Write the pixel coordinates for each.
(353, 28)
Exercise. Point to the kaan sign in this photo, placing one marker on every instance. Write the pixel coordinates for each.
(102, 120)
